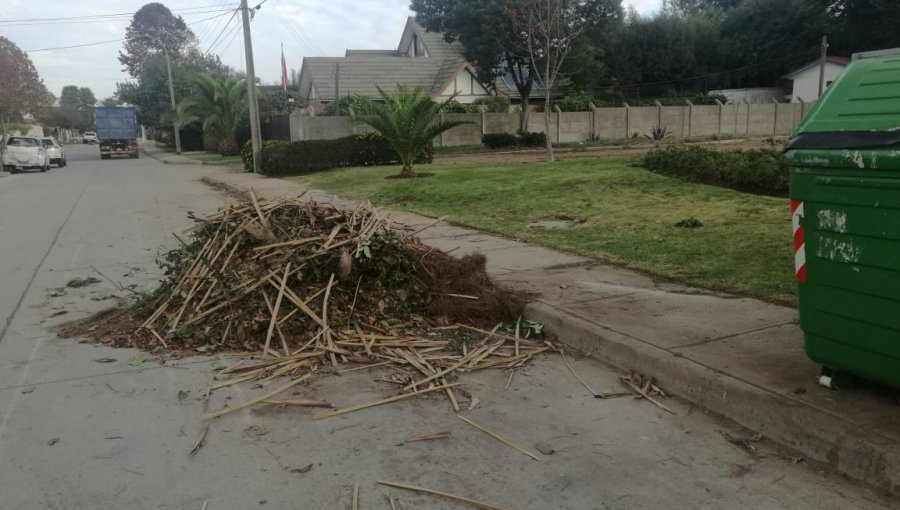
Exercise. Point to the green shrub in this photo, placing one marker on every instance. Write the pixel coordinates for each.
(500, 140)
(493, 104)
(532, 140)
(247, 152)
(309, 156)
(510, 141)
(757, 171)
(454, 106)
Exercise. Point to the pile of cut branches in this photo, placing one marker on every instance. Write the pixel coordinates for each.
(312, 287)
(282, 274)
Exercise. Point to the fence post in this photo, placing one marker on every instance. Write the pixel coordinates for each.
(747, 129)
(775, 122)
(483, 110)
(658, 113)
(593, 120)
(794, 119)
(627, 120)
(690, 122)
(558, 122)
(721, 112)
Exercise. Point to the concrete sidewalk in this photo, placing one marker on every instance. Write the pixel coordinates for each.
(738, 358)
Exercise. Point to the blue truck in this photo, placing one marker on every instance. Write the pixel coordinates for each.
(116, 131)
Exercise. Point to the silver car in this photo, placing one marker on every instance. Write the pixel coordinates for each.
(55, 151)
(24, 153)
(89, 137)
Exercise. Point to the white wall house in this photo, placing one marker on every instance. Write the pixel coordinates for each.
(806, 78)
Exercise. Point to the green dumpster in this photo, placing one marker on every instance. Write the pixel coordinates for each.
(844, 160)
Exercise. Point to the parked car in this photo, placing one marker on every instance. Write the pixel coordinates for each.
(55, 151)
(89, 137)
(24, 153)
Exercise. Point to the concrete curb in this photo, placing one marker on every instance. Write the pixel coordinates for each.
(224, 186)
(815, 433)
(167, 162)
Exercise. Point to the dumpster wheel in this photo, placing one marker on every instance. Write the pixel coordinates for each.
(835, 379)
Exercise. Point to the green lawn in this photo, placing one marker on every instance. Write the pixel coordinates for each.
(215, 159)
(626, 215)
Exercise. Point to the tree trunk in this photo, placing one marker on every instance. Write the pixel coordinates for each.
(548, 84)
(523, 115)
(407, 171)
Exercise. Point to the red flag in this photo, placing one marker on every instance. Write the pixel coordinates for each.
(284, 75)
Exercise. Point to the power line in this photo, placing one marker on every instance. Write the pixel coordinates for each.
(221, 32)
(111, 40)
(296, 31)
(230, 38)
(99, 20)
(210, 28)
(99, 15)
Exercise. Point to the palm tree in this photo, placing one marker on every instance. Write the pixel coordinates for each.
(219, 103)
(409, 120)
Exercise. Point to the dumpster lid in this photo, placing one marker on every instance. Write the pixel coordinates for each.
(861, 108)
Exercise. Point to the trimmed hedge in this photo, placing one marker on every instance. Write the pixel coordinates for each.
(510, 141)
(762, 172)
(279, 158)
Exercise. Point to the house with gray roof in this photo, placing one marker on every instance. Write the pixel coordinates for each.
(422, 59)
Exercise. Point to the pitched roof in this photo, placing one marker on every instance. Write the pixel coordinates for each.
(833, 59)
(363, 75)
(363, 71)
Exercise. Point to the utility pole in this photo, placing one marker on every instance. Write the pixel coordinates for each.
(172, 97)
(255, 139)
(337, 89)
(823, 61)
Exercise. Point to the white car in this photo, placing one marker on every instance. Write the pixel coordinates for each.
(89, 137)
(55, 151)
(24, 153)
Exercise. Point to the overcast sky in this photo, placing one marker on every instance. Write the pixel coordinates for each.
(305, 27)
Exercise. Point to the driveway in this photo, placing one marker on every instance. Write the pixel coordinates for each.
(90, 427)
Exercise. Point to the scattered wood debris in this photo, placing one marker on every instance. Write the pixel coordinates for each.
(430, 437)
(462, 499)
(498, 437)
(744, 443)
(644, 387)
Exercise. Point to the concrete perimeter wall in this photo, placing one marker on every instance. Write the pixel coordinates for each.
(688, 121)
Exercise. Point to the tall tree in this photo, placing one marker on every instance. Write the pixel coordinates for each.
(82, 99)
(150, 91)
(21, 89)
(548, 29)
(153, 30)
(478, 26)
(864, 25)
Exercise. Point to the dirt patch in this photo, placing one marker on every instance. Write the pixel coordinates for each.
(417, 176)
(539, 156)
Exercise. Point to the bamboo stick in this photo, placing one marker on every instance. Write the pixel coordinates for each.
(498, 437)
(379, 402)
(256, 400)
(477, 504)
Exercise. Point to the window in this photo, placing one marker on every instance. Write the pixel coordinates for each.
(17, 141)
(47, 142)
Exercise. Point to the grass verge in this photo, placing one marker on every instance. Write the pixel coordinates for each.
(215, 159)
(623, 214)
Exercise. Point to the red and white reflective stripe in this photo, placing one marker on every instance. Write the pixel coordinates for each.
(799, 244)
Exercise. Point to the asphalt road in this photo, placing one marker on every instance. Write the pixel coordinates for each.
(78, 433)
